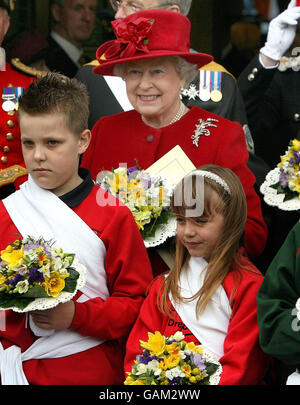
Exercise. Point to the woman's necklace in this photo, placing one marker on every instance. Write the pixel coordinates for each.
(180, 113)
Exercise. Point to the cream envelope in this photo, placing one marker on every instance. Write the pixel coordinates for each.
(174, 165)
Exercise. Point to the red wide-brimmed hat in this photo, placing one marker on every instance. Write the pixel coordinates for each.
(148, 34)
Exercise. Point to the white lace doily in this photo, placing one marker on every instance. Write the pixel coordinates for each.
(298, 308)
(275, 199)
(163, 232)
(51, 302)
(215, 378)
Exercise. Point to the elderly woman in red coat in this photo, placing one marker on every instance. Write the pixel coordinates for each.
(152, 54)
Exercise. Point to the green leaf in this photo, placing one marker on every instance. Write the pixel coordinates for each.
(71, 281)
(288, 193)
(37, 291)
(150, 229)
(211, 368)
(8, 301)
(69, 257)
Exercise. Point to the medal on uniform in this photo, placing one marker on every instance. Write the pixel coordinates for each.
(8, 97)
(204, 85)
(216, 94)
(18, 92)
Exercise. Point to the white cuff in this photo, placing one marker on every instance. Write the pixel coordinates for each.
(267, 67)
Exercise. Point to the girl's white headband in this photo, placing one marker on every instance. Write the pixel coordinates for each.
(212, 176)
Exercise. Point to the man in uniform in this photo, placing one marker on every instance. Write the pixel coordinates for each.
(270, 88)
(14, 78)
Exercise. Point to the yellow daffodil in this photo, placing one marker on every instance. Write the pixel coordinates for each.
(191, 346)
(295, 145)
(12, 258)
(186, 368)
(2, 279)
(173, 348)
(132, 381)
(285, 158)
(156, 343)
(295, 184)
(170, 361)
(201, 375)
(54, 284)
(195, 371)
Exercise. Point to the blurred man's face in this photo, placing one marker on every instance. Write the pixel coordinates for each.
(124, 8)
(75, 19)
(4, 24)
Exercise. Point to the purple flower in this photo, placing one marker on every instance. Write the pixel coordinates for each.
(132, 170)
(14, 281)
(283, 179)
(145, 358)
(175, 381)
(198, 360)
(297, 157)
(35, 276)
(31, 245)
(146, 181)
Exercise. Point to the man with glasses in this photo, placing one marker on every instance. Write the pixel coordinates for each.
(108, 95)
(125, 8)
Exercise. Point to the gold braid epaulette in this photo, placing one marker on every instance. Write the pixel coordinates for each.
(28, 70)
(216, 67)
(92, 63)
(11, 174)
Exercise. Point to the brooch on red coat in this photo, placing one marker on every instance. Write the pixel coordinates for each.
(202, 129)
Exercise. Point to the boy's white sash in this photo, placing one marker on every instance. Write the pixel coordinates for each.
(38, 212)
(212, 324)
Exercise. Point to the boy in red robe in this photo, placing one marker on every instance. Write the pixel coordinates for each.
(86, 334)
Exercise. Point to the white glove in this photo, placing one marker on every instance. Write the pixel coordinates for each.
(281, 33)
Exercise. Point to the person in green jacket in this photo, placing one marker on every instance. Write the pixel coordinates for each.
(278, 307)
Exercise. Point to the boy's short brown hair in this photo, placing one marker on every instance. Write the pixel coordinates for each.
(56, 93)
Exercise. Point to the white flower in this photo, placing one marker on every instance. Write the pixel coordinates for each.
(45, 270)
(57, 264)
(153, 365)
(183, 353)
(174, 372)
(178, 336)
(22, 286)
(141, 368)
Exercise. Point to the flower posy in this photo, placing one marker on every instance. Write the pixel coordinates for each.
(289, 177)
(148, 198)
(172, 361)
(33, 268)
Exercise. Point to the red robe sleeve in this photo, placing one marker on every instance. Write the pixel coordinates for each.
(243, 362)
(128, 273)
(150, 319)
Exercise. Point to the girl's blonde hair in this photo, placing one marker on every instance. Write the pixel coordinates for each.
(225, 257)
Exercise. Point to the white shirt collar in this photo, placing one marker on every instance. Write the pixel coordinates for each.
(71, 50)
